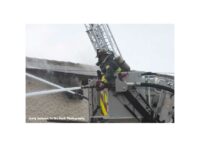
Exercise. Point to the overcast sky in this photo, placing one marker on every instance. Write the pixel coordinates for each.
(146, 47)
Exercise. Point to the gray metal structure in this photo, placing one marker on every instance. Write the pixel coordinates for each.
(138, 97)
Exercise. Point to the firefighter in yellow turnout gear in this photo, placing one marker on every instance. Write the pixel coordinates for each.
(106, 78)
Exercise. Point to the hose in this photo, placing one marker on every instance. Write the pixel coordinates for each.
(157, 86)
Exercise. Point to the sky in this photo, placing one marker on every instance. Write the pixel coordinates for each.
(146, 47)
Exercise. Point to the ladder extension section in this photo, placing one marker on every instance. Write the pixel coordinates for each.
(102, 38)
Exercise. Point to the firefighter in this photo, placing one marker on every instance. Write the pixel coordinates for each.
(106, 77)
(108, 66)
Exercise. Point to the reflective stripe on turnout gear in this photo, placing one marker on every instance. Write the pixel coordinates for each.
(118, 70)
(103, 79)
(104, 102)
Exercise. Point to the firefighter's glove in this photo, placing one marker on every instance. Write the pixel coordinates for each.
(100, 85)
(122, 75)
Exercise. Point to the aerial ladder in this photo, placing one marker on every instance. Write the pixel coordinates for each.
(133, 92)
(101, 37)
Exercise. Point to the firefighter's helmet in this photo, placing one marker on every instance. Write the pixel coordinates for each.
(101, 52)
